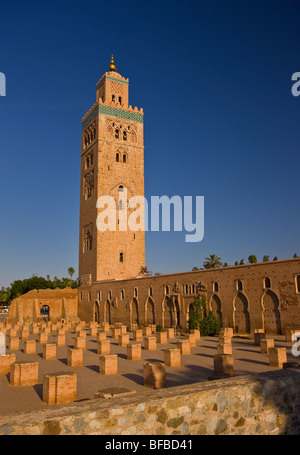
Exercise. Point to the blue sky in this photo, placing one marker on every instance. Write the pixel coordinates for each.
(214, 80)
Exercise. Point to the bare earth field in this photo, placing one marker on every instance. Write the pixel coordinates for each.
(194, 368)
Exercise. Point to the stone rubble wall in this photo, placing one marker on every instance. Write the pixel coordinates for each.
(268, 403)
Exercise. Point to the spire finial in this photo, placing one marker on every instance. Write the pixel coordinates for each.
(112, 66)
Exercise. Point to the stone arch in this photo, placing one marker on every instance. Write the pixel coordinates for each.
(96, 311)
(241, 315)
(271, 314)
(134, 311)
(107, 311)
(168, 313)
(45, 311)
(215, 306)
(177, 312)
(150, 311)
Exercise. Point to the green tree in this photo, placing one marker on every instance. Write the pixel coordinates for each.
(202, 319)
(212, 262)
(266, 258)
(236, 263)
(252, 259)
(71, 272)
(242, 262)
(295, 255)
(275, 258)
(195, 268)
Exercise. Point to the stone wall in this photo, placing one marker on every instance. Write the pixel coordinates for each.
(246, 297)
(62, 303)
(264, 404)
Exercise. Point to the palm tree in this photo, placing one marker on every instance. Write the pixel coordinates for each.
(212, 262)
(71, 272)
(252, 259)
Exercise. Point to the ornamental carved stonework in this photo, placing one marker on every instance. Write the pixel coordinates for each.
(286, 295)
(201, 287)
(86, 280)
(88, 181)
(176, 287)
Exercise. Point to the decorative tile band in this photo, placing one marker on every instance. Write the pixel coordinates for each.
(91, 117)
(110, 78)
(114, 112)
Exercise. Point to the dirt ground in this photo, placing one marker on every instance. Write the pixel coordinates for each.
(196, 367)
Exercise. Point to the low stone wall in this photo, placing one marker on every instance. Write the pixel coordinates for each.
(268, 403)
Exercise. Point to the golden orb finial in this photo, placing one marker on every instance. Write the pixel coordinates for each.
(112, 66)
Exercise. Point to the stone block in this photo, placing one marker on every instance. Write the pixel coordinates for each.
(14, 344)
(80, 342)
(154, 375)
(116, 331)
(259, 334)
(150, 343)
(108, 364)
(61, 340)
(75, 357)
(5, 362)
(103, 347)
(101, 336)
(170, 332)
(30, 347)
(265, 345)
(123, 340)
(147, 332)
(134, 352)
(49, 351)
(162, 337)
(43, 338)
(191, 338)
(224, 348)
(184, 347)
(223, 363)
(137, 335)
(172, 357)
(59, 388)
(123, 329)
(277, 357)
(93, 331)
(196, 332)
(24, 374)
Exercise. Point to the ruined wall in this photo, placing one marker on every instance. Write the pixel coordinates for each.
(246, 297)
(266, 404)
(63, 304)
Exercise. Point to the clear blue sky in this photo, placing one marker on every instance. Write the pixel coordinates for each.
(214, 80)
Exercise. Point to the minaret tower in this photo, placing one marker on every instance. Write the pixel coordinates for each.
(112, 164)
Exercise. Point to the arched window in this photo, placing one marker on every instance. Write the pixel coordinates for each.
(150, 291)
(216, 287)
(121, 257)
(121, 189)
(117, 157)
(267, 283)
(239, 285)
(298, 283)
(113, 97)
(117, 134)
(124, 136)
(120, 99)
(122, 294)
(124, 158)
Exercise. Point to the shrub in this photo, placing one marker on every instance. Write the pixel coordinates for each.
(210, 325)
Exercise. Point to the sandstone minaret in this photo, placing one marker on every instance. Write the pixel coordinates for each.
(112, 164)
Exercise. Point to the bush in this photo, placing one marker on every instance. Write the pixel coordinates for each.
(159, 328)
(210, 325)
